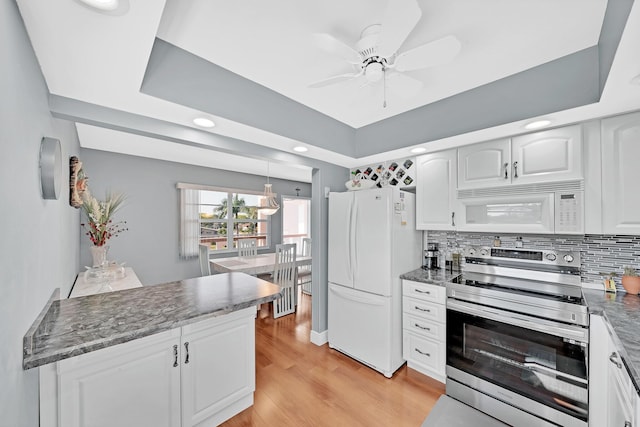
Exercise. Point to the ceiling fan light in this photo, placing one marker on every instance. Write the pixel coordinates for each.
(374, 72)
(107, 5)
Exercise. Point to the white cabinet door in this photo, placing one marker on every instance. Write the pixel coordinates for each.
(131, 384)
(487, 164)
(218, 368)
(621, 174)
(436, 191)
(547, 156)
(553, 155)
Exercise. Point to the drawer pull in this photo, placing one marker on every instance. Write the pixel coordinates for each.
(614, 359)
(422, 352)
(175, 356)
(417, 325)
(423, 309)
(422, 292)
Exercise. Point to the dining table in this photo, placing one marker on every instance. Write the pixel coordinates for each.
(254, 264)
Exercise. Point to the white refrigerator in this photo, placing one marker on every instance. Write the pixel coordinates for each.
(372, 241)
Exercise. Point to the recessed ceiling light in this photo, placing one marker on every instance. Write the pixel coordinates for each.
(418, 150)
(537, 124)
(102, 4)
(203, 122)
(300, 149)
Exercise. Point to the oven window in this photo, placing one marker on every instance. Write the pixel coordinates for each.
(542, 367)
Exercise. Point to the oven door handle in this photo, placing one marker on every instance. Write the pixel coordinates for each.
(540, 325)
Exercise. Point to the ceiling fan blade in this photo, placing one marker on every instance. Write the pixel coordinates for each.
(403, 85)
(333, 80)
(430, 54)
(330, 44)
(397, 22)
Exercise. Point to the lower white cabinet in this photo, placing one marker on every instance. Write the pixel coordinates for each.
(424, 327)
(613, 399)
(200, 374)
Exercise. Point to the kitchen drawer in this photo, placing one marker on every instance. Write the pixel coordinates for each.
(424, 351)
(424, 327)
(424, 309)
(424, 291)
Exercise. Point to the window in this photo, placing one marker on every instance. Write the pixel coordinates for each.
(220, 217)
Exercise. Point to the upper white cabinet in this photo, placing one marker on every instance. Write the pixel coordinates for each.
(621, 174)
(436, 191)
(486, 164)
(553, 155)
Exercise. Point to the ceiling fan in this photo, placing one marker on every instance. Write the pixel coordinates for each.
(376, 55)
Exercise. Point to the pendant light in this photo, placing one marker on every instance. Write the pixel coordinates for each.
(268, 205)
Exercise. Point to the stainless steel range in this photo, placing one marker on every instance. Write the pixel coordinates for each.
(517, 337)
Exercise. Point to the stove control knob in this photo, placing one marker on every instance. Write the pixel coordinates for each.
(483, 252)
(551, 256)
(471, 251)
(568, 258)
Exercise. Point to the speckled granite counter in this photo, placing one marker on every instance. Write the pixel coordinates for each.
(436, 277)
(622, 312)
(71, 327)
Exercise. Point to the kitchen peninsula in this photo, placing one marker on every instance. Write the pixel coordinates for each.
(179, 353)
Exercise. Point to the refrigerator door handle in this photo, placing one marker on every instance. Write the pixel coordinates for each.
(354, 240)
(350, 239)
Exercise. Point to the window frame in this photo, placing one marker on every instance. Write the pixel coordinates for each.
(230, 221)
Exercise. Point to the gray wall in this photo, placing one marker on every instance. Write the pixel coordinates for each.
(151, 210)
(39, 238)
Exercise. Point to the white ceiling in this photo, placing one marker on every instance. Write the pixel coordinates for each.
(102, 58)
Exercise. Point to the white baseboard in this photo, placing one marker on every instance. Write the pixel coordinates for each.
(319, 338)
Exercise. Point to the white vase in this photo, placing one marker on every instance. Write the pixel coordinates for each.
(99, 255)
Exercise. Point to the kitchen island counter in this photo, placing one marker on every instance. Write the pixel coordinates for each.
(71, 327)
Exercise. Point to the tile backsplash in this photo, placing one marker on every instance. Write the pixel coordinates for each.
(598, 253)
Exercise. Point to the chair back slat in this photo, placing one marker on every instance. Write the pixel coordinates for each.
(284, 275)
(247, 247)
(203, 256)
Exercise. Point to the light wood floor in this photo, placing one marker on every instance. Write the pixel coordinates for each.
(301, 384)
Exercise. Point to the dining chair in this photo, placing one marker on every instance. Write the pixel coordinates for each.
(247, 247)
(304, 271)
(284, 275)
(203, 255)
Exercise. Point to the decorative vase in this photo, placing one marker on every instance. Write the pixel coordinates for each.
(99, 255)
(631, 284)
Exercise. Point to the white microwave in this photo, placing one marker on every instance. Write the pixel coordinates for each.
(551, 212)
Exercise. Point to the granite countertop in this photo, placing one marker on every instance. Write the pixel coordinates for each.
(622, 312)
(70, 327)
(438, 276)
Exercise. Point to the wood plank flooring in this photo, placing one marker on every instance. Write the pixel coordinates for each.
(301, 384)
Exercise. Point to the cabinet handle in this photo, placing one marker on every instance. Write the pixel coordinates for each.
(417, 325)
(423, 309)
(186, 347)
(453, 219)
(422, 352)
(422, 292)
(506, 171)
(614, 359)
(627, 424)
(175, 356)
(515, 169)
